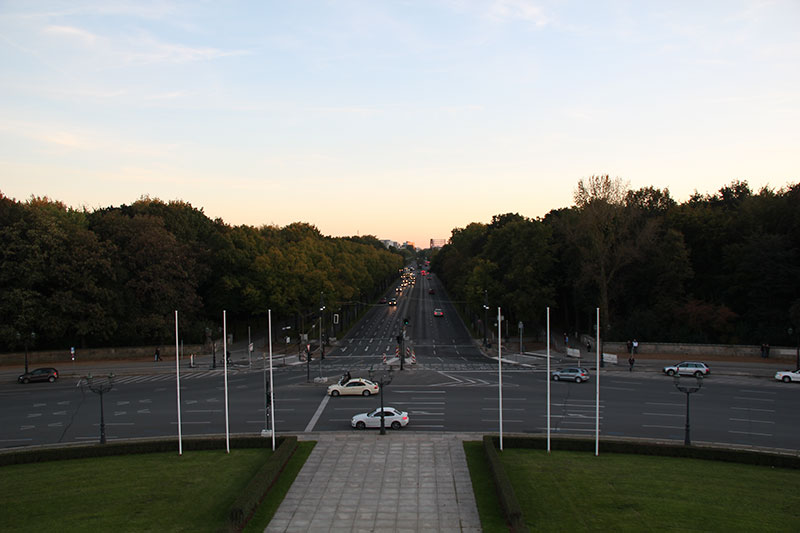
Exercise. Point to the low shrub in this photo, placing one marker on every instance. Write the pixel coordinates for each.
(248, 500)
(505, 491)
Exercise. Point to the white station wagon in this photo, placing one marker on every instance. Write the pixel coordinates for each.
(786, 376)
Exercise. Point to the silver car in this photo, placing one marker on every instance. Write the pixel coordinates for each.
(575, 374)
(687, 368)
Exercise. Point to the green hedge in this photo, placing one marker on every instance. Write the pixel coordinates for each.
(249, 499)
(81, 451)
(751, 457)
(505, 491)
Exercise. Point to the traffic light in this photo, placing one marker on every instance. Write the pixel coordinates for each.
(405, 321)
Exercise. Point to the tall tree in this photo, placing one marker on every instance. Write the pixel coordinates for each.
(608, 235)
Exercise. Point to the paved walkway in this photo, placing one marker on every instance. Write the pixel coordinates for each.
(401, 481)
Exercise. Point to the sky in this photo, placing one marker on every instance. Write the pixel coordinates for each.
(402, 119)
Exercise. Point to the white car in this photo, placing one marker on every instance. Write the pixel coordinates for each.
(392, 418)
(786, 376)
(354, 387)
(688, 369)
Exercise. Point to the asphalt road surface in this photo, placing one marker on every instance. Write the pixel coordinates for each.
(452, 386)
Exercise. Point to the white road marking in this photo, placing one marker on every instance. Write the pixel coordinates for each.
(313, 421)
(751, 433)
(754, 399)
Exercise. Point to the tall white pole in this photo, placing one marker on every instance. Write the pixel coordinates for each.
(548, 380)
(178, 385)
(264, 371)
(225, 362)
(597, 394)
(500, 375)
(249, 349)
(271, 397)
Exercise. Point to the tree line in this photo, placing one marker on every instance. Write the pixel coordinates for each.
(114, 276)
(718, 268)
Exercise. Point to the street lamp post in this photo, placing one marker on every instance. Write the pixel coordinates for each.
(384, 381)
(101, 386)
(485, 315)
(32, 337)
(687, 441)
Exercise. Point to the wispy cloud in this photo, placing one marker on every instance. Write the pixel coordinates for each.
(519, 10)
(146, 49)
(71, 32)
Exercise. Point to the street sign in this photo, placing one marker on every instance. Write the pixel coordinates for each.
(336, 318)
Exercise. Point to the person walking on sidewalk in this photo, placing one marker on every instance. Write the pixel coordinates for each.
(631, 360)
(158, 355)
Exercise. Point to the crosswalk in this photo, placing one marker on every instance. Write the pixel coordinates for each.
(202, 374)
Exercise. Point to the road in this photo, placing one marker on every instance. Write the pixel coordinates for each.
(452, 387)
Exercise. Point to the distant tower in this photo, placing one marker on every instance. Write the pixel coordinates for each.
(438, 243)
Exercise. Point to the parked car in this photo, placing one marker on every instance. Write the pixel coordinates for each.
(431, 291)
(354, 387)
(575, 374)
(40, 374)
(382, 301)
(788, 375)
(438, 312)
(688, 368)
(393, 418)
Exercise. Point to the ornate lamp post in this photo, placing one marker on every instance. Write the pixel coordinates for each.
(386, 379)
(687, 441)
(31, 338)
(485, 315)
(101, 386)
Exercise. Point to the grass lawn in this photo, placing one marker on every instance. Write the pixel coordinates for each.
(576, 491)
(149, 492)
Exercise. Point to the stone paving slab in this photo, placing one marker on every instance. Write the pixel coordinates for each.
(364, 481)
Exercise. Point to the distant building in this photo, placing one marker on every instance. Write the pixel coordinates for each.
(438, 243)
(409, 244)
(388, 243)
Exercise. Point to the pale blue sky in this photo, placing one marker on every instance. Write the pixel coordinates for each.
(401, 119)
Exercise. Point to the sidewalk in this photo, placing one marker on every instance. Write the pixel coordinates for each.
(364, 481)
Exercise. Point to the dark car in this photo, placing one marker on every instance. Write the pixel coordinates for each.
(393, 301)
(40, 374)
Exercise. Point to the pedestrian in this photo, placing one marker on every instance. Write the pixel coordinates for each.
(630, 346)
(767, 352)
(228, 357)
(635, 346)
(763, 350)
(158, 355)
(589, 346)
(631, 360)
(566, 340)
